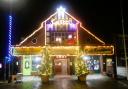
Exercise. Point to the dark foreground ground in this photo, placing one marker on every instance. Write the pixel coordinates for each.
(96, 81)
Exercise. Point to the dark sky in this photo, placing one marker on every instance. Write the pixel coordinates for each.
(101, 17)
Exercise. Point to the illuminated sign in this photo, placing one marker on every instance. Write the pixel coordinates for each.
(56, 25)
(61, 21)
(99, 50)
(27, 50)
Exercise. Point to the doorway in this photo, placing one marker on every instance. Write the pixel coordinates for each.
(60, 66)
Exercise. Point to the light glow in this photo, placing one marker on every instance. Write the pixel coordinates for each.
(61, 12)
(85, 57)
(17, 63)
(0, 65)
(37, 59)
(70, 36)
(58, 39)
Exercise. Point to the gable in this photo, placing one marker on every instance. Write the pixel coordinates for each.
(39, 36)
(86, 37)
(36, 39)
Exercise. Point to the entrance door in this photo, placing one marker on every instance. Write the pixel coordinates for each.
(60, 67)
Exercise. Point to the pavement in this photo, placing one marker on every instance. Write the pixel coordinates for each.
(2, 81)
(123, 81)
(93, 81)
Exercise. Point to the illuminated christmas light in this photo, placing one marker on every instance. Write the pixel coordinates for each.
(9, 38)
(61, 9)
(72, 50)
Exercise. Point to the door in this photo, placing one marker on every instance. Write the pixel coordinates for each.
(60, 66)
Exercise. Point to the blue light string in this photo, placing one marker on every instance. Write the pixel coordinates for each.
(9, 38)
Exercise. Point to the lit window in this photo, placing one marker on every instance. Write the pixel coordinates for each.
(36, 62)
(58, 39)
(70, 36)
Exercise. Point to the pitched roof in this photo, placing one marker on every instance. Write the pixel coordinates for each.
(42, 26)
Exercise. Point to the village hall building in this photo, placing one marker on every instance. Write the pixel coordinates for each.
(59, 40)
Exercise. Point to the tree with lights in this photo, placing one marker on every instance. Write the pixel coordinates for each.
(81, 68)
(45, 70)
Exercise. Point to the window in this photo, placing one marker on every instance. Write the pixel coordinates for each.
(36, 62)
(34, 41)
(48, 34)
(48, 40)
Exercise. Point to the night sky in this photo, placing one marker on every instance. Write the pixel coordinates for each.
(101, 17)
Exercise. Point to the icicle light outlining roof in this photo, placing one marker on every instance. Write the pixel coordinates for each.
(60, 12)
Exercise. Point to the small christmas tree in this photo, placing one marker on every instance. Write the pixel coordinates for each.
(45, 71)
(80, 68)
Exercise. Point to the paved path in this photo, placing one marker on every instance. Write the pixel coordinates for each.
(96, 81)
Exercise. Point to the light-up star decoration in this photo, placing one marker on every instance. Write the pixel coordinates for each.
(60, 11)
(61, 18)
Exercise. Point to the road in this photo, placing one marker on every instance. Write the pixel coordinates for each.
(96, 81)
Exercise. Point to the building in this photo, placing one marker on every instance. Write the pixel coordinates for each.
(57, 45)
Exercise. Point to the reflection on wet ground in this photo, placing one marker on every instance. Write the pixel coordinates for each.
(95, 81)
(64, 82)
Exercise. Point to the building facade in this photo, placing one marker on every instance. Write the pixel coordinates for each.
(58, 44)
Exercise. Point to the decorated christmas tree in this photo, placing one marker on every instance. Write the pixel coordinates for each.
(45, 70)
(80, 68)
